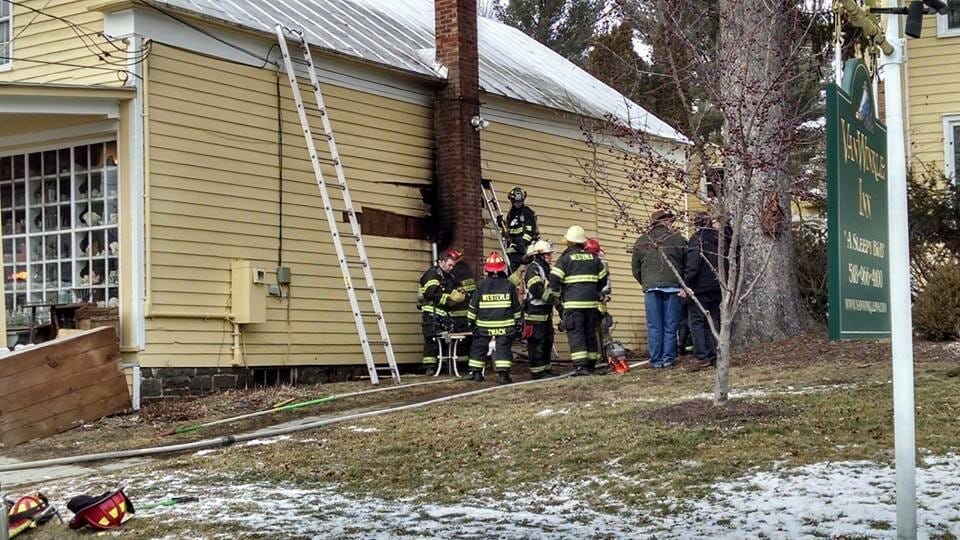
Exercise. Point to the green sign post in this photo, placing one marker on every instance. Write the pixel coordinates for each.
(858, 261)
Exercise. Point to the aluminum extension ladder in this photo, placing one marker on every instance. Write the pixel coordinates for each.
(346, 262)
(495, 213)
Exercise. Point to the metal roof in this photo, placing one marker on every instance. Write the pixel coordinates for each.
(399, 33)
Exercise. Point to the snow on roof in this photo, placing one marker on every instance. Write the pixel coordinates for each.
(399, 33)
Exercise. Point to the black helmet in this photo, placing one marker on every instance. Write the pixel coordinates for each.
(517, 194)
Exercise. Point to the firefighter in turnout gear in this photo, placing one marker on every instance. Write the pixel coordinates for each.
(495, 312)
(463, 280)
(521, 227)
(538, 310)
(438, 297)
(578, 278)
(614, 350)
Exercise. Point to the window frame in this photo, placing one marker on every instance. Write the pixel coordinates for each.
(7, 65)
(943, 31)
(950, 121)
(75, 233)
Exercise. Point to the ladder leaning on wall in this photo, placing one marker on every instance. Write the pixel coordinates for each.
(348, 262)
(495, 214)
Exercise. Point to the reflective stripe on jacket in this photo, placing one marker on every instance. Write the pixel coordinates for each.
(462, 279)
(494, 307)
(539, 305)
(522, 227)
(578, 278)
(434, 294)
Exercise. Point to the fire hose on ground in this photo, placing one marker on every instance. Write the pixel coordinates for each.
(228, 440)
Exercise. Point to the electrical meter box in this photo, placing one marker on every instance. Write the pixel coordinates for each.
(248, 293)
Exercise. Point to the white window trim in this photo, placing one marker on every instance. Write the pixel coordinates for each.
(943, 31)
(949, 167)
(91, 138)
(7, 65)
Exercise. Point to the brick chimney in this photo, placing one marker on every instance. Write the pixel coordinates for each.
(457, 158)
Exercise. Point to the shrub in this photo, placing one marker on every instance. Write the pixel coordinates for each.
(936, 310)
(810, 245)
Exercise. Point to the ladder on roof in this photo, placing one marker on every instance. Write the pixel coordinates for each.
(347, 262)
(495, 214)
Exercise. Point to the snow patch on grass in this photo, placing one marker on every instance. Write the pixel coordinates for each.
(358, 429)
(551, 412)
(854, 498)
(271, 440)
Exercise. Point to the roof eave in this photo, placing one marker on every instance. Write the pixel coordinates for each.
(111, 6)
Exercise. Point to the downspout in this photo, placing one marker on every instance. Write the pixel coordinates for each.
(141, 147)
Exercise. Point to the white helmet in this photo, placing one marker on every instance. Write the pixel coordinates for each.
(575, 235)
(540, 247)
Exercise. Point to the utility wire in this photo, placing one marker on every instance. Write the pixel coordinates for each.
(33, 20)
(122, 74)
(79, 31)
(84, 35)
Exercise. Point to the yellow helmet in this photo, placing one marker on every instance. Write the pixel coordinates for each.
(575, 235)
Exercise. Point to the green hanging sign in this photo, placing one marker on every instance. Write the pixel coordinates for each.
(858, 262)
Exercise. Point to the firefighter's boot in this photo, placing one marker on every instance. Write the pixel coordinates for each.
(503, 377)
(476, 375)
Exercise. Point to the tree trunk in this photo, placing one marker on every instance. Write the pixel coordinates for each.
(773, 309)
(759, 118)
(721, 390)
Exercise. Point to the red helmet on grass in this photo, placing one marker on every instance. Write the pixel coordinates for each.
(102, 513)
(27, 512)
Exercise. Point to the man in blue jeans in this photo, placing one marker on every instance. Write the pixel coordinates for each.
(658, 257)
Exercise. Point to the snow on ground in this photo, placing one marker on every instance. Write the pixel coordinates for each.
(790, 390)
(827, 499)
(821, 500)
(551, 412)
(270, 440)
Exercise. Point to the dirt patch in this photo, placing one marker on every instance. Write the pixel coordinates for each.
(816, 348)
(703, 412)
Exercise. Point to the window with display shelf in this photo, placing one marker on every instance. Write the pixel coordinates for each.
(59, 216)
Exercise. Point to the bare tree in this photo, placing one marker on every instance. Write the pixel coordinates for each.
(750, 61)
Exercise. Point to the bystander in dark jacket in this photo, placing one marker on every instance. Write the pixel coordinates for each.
(700, 277)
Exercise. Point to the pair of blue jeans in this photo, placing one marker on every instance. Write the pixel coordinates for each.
(663, 316)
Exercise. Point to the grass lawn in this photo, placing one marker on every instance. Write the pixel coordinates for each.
(650, 439)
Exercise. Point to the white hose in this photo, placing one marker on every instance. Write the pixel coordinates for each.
(231, 439)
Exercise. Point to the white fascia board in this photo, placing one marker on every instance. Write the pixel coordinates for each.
(59, 105)
(155, 26)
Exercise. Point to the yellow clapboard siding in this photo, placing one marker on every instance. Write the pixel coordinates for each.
(214, 198)
(52, 41)
(933, 81)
